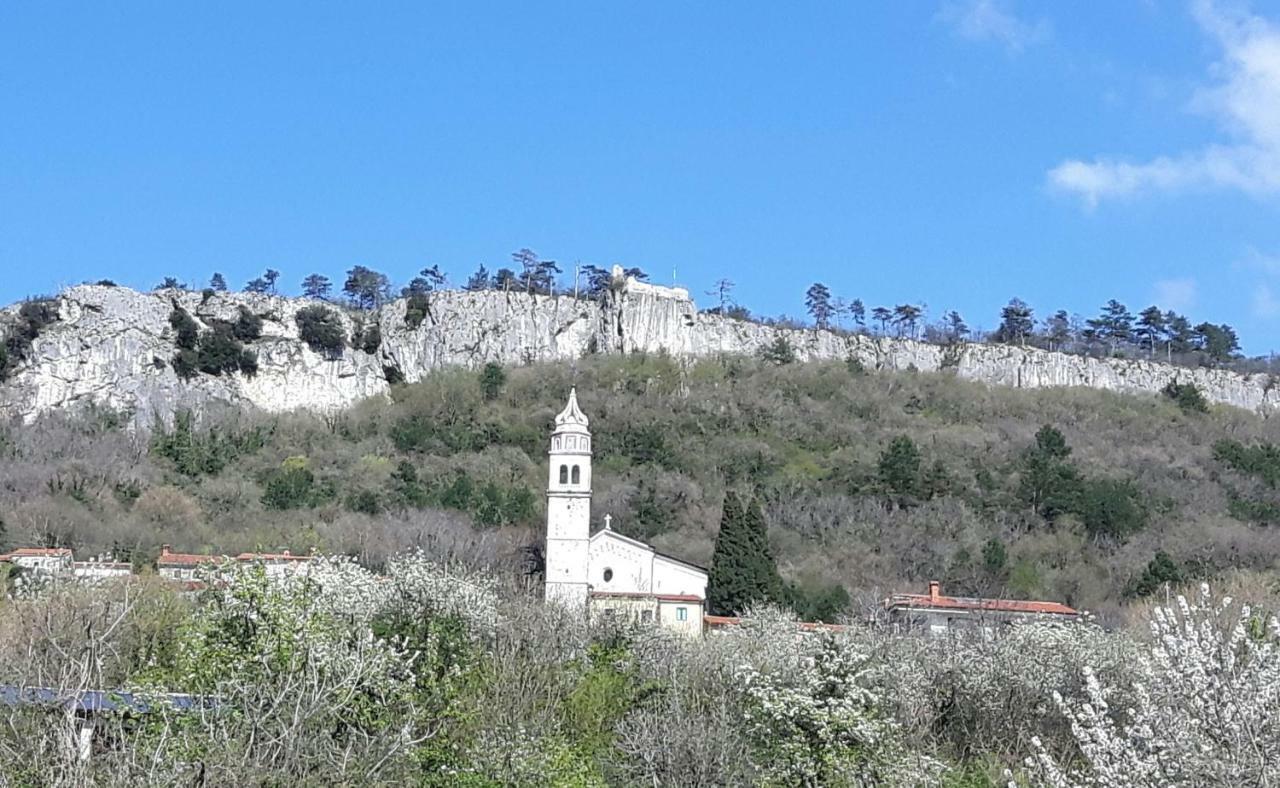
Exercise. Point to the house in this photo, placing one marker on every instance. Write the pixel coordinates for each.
(182, 566)
(607, 574)
(934, 613)
(278, 564)
(45, 560)
(101, 568)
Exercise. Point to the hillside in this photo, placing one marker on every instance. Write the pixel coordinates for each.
(157, 353)
(455, 463)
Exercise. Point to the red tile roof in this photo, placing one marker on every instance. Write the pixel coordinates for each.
(169, 559)
(36, 552)
(934, 600)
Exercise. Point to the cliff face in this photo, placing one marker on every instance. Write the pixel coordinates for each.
(113, 346)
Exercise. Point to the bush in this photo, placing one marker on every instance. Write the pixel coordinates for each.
(415, 310)
(492, 379)
(779, 351)
(248, 326)
(1187, 397)
(367, 338)
(33, 317)
(293, 486)
(188, 331)
(321, 328)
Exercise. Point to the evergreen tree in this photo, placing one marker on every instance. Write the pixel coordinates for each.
(899, 469)
(1150, 328)
(171, 283)
(858, 311)
(743, 572)
(217, 282)
(427, 280)
(1016, 323)
(597, 280)
(1178, 334)
(257, 285)
(1220, 342)
(504, 280)
(1160, 571)
(317, 287)
(492, 379)
(366, 288)
(905, 317)
(1057, 330)
(479, 280)
(882, 316)
(956, 328)
(818, 301)
(271, 277)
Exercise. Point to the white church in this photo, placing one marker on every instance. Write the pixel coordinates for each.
(606, 573)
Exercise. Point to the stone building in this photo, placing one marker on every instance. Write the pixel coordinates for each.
(607, 574)
(936, 614)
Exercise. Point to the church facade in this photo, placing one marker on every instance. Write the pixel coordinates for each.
(606, 574)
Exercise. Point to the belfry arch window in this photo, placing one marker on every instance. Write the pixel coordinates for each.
(564, 474)
(577, 476)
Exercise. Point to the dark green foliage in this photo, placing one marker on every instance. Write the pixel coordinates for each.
(293, 486)
(367, 289)
(1160, 571)
(994, 556)
(899, 469)
(33, 317)
(195, 453)
(321, 328)
(1187, 396)
(367, 338)
(1261, 461)
(364, 502)
(214, 352)
(248, 326)
(416, 308)
(492, 379)
(779, 351)
(828, 604)
(1110, 508)
(186, 328)
(743, 572)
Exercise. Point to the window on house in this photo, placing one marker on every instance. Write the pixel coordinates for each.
(577, 477)
(564, 474)
(682, 614)
(608, 574)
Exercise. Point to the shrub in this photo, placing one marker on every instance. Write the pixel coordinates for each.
(1187, 396)
(779, 351)
(188, 331)
(248, 326)
(492, 379)
(33, 317)
(367, 338)
(415, 310)
(321, 328)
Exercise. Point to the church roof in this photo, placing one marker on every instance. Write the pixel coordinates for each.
(572, 419)
(609, 532)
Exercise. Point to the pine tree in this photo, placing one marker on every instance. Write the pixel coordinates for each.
(1016, 323)
(479, 280)
(217, 282)
(742, 568)
(317, 287)
(818, 301)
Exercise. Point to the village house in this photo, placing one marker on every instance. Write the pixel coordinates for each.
(101, 568)
(606, 574)
(44, 560)
(936, 614)
(182, 566)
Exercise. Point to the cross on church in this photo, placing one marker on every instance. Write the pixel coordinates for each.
(608, 518)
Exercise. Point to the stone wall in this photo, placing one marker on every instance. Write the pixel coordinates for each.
(113, 345)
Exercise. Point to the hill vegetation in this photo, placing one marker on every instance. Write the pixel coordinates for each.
(868, 483)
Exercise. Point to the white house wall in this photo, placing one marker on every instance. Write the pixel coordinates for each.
(672, 577)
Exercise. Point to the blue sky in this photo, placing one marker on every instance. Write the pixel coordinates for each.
(952, 153)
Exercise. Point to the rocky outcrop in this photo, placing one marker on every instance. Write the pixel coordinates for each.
(114, 346)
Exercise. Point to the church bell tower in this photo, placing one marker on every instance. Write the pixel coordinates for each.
(569, 508)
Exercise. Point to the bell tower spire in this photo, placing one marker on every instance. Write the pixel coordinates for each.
(569, 507)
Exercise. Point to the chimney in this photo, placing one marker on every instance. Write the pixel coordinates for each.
(935, 590)
(164, 549)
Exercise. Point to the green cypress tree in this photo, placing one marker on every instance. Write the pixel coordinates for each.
(742, 568)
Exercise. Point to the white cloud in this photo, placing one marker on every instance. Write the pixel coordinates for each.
(1245, 100)
(988, 20)
(1176, 294)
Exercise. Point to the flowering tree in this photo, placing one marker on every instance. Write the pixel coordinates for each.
(1202, 713)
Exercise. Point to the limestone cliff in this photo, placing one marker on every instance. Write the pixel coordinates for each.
(114, 346)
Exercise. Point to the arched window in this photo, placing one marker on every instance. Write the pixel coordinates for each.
(564, 474)
(577, 477)
(608, 574)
